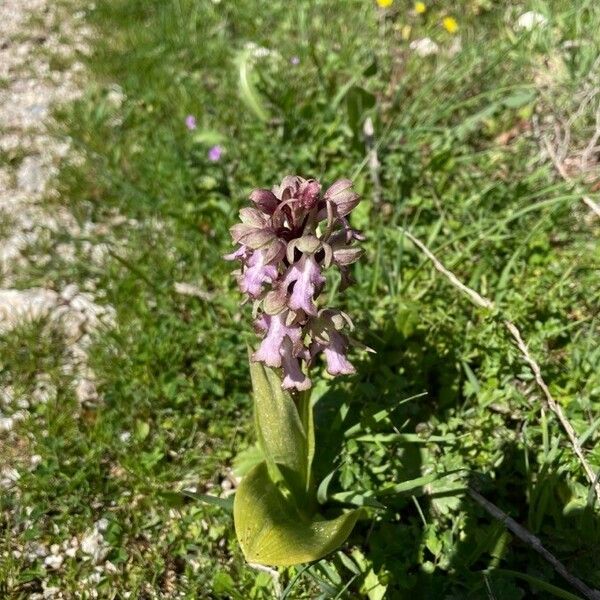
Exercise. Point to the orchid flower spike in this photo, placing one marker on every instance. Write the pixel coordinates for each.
(287, 239)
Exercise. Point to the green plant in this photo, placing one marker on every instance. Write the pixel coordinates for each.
(286, 241)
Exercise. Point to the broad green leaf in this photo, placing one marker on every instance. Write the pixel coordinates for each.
(271, 530)
(280, 432)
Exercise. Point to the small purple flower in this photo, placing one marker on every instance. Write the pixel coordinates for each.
(305, 276)
(328, 339)
(284, 250)
(335, 355)
(190, 122)
(269, 350)
(295, 61)
(256, 274)
(215, 153)
(293, 377)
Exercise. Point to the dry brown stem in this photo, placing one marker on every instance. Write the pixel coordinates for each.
(559, 166)
(533, 542)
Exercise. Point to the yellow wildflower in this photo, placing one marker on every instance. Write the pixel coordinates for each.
(420, 7)
(385, 3)
(450, 24)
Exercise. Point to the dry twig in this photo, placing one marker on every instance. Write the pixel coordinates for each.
(522, 346)
(591, 146)
(534, 542)
(565, 175)
(558, 165)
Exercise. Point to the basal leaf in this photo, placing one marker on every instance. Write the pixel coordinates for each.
(272, 531)
(280, 431)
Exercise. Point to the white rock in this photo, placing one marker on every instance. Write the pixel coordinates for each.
(50, 591)
(40, 550)
(23, 306)
(7, 395)
(44, 390)
(69, 292)
(527, 21)
(93, 545)
(20, 415)
(86, 391)
(23, 403)
(95, 577)
(6, 423)
(115, 95)
(125, 436)
(10, 474)
(66, 252)
(31, 176)
(110, 568)
(54, 561)
(77, 315)
(424, 47)
(101, 525)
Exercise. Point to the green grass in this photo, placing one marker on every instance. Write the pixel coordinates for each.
(173, 373)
